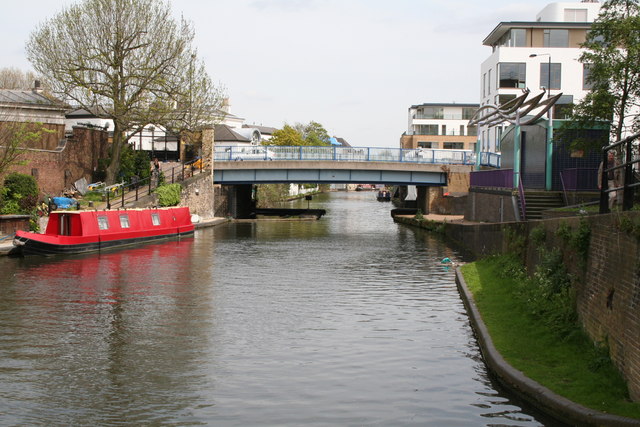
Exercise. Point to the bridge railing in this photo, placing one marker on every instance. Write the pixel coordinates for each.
(346, 154)
(490, 159)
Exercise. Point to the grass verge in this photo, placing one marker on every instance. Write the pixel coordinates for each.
(571, 366)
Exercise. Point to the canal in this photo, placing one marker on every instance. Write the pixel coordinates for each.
(347, 321)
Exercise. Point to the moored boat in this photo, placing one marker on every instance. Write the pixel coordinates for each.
(72, 232)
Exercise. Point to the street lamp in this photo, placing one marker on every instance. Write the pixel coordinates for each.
(548, 176)
(152, 129)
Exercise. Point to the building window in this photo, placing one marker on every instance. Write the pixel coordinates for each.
(484, 85)
(427, 144)
(461, 129)
(489, 82)
(512, 74)
(586, 72)
(124, 221)
(517, 37)
(503, 99)
(430, 113)
(472, 130)
(155, 219)
(103, 223)
(467, 113)
(575, 15)
(556, 71)
(453, 145)
(555, 38)
(563, 107)
(426, 130)
(444, 130)
(498, 137)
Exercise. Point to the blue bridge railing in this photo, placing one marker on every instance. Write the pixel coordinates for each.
(347, 154)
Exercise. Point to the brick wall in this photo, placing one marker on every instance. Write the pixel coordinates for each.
(607, 285)
(57, 170)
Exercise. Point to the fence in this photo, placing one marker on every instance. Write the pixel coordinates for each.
(338, 154)
(628, 149)
(117, 196)
(498, 178)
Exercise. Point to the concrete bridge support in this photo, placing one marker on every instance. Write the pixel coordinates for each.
(241, 201)
(422, 198)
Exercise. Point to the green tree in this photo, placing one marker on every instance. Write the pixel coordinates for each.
(131, 58)
(313, 133)
(612, 60)
(286, 136)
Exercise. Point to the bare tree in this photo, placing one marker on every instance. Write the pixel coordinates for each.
(15, 135)
(14, 78)
(128, 57)
(198, 104)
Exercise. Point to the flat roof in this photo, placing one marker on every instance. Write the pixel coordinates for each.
(453, 104)
(502, 28)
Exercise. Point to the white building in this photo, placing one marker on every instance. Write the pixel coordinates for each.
(440, 126)
(524, 51)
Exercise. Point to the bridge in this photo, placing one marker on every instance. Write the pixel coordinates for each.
(325, 164)
(240, 167)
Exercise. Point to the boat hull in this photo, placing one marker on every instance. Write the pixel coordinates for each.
(30, 246)
(92, 231)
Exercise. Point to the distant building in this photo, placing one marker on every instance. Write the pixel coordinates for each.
(440, 126)
(536, 55)
(32, 106)
(338, 142)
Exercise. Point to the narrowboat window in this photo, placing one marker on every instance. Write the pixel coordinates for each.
(124, 221)
(155, 219)
(103, 223)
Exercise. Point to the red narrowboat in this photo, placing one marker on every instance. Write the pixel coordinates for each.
(72, 232)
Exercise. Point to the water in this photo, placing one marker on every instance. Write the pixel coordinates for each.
(350, 320)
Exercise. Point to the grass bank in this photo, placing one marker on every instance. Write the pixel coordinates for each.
(561, 358)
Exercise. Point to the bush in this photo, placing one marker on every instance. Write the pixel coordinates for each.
(169, 195)
(19, 194)
(134, 162)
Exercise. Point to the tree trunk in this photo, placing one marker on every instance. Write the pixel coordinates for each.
(116, 151)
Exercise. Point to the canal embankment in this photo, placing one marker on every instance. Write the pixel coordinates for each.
(601, 258)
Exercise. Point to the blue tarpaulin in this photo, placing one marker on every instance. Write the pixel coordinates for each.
(64, 202)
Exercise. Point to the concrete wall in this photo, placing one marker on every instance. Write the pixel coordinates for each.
(607, 284)
(485, 205)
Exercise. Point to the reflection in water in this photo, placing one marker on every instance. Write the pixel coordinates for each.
(350, 320)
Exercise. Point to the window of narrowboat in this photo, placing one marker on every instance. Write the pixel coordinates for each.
(103, 223)
(155, 219)
(124, 221)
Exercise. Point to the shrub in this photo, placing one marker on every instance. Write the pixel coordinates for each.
(19, 194)
(169, 195)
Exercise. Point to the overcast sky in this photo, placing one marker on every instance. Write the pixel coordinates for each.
(355, 66)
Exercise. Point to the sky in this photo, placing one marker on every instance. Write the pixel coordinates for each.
(354, 66)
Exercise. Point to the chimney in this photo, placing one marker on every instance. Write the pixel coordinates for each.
(226, 105)
(37, 88)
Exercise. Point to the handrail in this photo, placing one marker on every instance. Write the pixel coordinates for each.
(628, 186)
(144, 187)
(224, 153)
(523, 202)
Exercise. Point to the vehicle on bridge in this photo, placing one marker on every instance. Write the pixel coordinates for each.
(251, 153)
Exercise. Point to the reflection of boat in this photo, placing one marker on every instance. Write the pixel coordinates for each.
(71, 232)
(384, 196)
